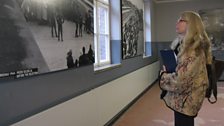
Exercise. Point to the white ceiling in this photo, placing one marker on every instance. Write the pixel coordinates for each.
(168, 1)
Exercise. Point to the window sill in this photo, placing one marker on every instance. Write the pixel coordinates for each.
(106, 67)
(146, 56)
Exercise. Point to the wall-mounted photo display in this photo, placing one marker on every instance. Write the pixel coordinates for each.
(213, 20)
(132, 28)
(40, 36)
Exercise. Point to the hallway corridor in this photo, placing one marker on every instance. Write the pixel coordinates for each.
(149, 110)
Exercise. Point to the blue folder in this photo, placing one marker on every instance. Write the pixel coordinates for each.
(168, 60)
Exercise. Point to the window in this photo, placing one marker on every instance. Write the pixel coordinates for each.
(101, 33)
(148, 39)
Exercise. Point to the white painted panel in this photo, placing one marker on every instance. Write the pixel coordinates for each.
(98, 106)
(114, 96)
(80, 111)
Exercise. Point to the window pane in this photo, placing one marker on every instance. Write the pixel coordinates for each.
(102, 56)
(102, 19)
(103, 47)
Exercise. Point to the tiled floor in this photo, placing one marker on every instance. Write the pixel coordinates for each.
(149, 110)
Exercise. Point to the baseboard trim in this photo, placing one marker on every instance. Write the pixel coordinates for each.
(118, 115)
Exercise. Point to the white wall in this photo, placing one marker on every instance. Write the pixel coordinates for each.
(168, 13)
(98, 106)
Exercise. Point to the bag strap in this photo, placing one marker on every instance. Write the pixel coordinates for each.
(212, 89)
(163, 93)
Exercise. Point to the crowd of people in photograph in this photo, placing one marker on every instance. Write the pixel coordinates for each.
(60, 17)
(83, 60)
(132, 24)
(55, 14)
(130, 37)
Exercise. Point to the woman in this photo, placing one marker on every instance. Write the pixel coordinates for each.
(186, 87)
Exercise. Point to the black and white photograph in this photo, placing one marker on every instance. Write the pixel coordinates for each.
(213, 20)
(132, 28)
(40, 36)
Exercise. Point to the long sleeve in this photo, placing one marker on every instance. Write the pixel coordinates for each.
(182, 80)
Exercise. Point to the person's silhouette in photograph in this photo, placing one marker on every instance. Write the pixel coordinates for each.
(52, 20)
(91, 54)
(80, 25)
(76, 29)
(70, 61)
(60, 21)
(84, 58)
(88, 22)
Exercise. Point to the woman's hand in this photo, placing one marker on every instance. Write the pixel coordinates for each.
(163, 70)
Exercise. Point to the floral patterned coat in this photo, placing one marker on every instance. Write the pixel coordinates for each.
(186, 87)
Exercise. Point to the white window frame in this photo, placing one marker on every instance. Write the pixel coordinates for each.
(147, 26)
(98, 61)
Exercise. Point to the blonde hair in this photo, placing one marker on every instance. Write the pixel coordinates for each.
(196, 38)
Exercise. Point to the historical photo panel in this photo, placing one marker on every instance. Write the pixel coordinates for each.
(132, 28)
(40, 36)
(213, 20)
